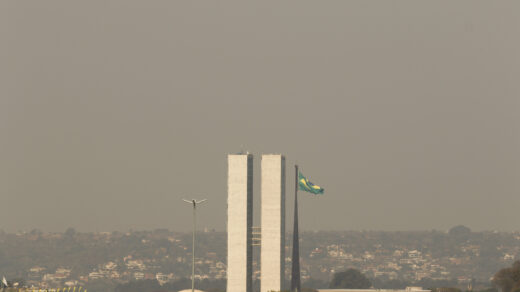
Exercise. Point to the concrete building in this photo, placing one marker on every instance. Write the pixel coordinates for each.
(240, 223)
(272, 255)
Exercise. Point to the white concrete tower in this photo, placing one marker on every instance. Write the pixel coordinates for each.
(272, 254)
(240, 223)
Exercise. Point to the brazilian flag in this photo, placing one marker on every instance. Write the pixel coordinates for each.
(305, 185)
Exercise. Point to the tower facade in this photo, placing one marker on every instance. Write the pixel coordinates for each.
(240, 223)
(272, 253)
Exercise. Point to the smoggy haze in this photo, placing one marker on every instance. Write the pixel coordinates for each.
(407, 112)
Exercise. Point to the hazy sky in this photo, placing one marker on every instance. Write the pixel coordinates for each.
(407, 112)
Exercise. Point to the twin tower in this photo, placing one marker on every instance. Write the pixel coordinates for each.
(240, 223)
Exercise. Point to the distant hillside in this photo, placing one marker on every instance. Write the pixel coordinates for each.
(109, 259)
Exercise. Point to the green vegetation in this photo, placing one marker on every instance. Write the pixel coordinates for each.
(508, 279)
(350, 279)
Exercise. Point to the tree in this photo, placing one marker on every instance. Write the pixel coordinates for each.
(350, 279)
(508, 279)
(70, 232)
(460, 230)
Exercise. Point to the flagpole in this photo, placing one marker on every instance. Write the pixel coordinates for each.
(295, 276)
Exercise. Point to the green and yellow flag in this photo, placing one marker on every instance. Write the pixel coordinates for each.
(305, 185)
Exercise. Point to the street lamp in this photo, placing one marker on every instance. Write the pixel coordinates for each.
(194, 203)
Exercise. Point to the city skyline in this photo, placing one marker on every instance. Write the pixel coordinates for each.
(458, 256)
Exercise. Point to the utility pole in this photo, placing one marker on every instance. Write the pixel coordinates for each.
(194, 203)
